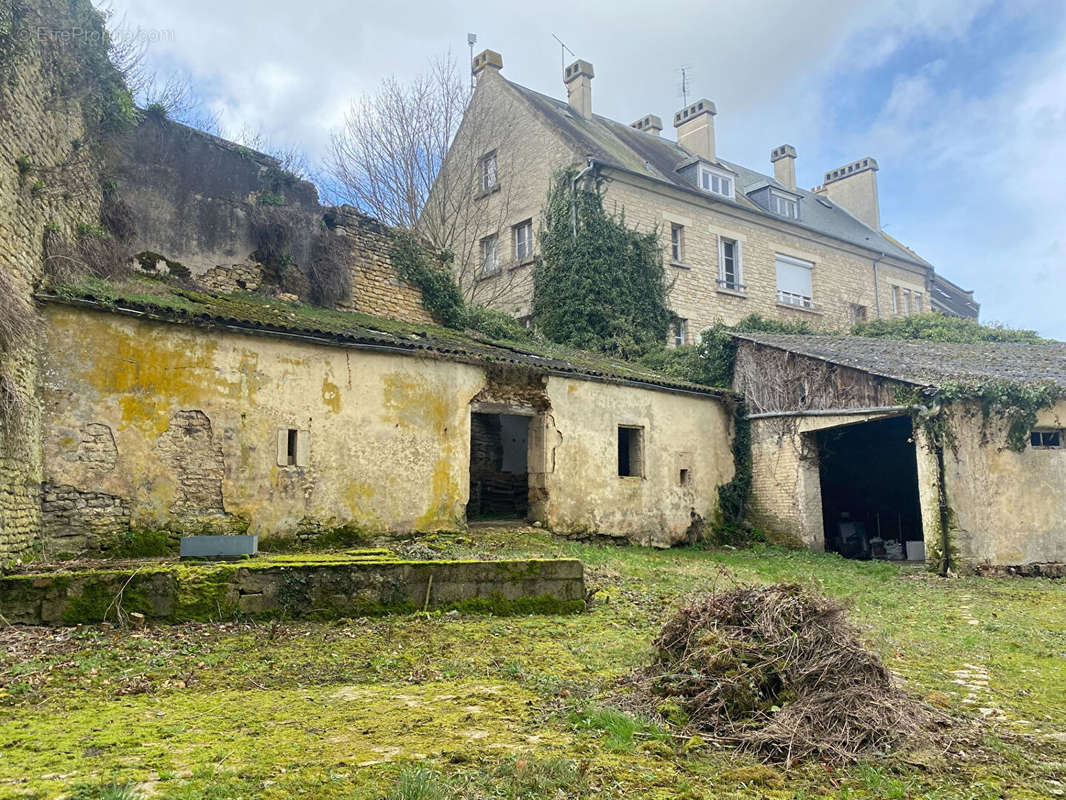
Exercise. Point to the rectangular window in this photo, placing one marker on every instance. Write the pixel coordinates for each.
(858, 314)
(490, 262)
(729, 264)
(677, 242)
(680, 331)
(684, 478)
(523, 241)
(907, 301)
(630, 452)
(488, 172)
(897, 301)
(785, 206)
(716, 182)
(1046, 440)
(917, 302)
(293, 447)
(794, 281)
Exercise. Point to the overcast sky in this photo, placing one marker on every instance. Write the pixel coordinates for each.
(962, 102)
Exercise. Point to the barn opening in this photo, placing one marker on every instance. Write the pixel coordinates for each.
(499, 467)
(869, 482)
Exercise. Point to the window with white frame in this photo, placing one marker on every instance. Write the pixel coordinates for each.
(680, 331)
(784, 205)
(488, 172)
(917, 302)
(677, 242)
(729, 264)
(523, 241)
(897, 300)
(794, 281)
(1046, 440)
(490, 261)
(715, 182)
(293, 447)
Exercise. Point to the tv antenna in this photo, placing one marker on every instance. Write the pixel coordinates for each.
(563, 51)
(471, 39)
(684, 86)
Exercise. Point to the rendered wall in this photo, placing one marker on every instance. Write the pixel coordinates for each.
(155, 426)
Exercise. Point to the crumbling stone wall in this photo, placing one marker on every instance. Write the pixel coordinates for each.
(47, 177)
(194, 458)
(376, 287)
(76, 522)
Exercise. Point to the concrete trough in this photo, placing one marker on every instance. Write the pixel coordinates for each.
(233, 546)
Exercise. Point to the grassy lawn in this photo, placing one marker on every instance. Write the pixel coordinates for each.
(440, 706)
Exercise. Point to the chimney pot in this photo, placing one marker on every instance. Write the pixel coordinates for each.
(578, 80)
(487, 60)
(695, 128)
(650, 124)
(784, 160)
(853, 187)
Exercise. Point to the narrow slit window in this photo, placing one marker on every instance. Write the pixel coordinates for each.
(290, 447)
(293, 447)
(630, 452)
(684, 478)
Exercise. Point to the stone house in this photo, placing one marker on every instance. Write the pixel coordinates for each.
(736, 241)
(843, 457)
(233, 416)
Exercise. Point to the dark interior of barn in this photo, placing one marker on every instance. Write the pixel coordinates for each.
(499, 480)
(869, 481)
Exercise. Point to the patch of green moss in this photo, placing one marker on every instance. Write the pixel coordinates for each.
(104, 598)
(140, 544)
(205, 593)
(499, 606)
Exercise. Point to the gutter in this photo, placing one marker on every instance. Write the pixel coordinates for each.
(835, 412)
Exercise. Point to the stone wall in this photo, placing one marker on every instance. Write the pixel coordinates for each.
(47, 177)
(201, 420)
(334, 589)
(376, 286)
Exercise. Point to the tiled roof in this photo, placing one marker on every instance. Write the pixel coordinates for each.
(656, 157)
(256, 314)
(927, 363)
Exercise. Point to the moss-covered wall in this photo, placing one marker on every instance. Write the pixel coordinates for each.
(177, 427)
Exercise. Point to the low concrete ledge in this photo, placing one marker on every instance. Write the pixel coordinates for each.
(312, 589)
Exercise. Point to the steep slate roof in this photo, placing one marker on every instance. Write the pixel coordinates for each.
(656, 157)
(254, 314)
(926, 363)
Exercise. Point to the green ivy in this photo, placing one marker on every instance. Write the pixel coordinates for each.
(440, 292)
(936, 327)
(603, 287)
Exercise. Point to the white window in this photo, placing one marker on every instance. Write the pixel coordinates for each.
(293, 447)
(490, 262)
(716, 182)
(917, 302)
(794, 281)
(677, 241)
(680, 331)
(523, 241)
(729, 264)
(897, 301)
(488, 172)
(907, 301)
(784, 205)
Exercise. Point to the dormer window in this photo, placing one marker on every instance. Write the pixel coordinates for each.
(716, 181)
(784, 205)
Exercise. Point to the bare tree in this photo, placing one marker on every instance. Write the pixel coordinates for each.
(409, 154)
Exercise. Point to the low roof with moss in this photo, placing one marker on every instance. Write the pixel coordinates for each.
(248, 312)
(928, 363)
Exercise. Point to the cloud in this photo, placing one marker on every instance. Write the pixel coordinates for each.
(969, 171)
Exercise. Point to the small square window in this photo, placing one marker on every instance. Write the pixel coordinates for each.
(680, 331)
(1046, 440)
(630, 452)
(293, 447)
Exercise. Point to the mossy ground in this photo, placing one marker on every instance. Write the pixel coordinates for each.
(473, 706)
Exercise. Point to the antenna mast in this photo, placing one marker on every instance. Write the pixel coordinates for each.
(684, 86)
(471, 39)
(563, 50)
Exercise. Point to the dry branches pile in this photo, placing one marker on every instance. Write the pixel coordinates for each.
(779, 671)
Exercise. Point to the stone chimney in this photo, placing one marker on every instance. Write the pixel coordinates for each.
(853, 187)
(784, 160)
(649, 124)
(486, 60)
(695, 128)
(578, 79)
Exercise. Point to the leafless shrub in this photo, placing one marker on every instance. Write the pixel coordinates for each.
(13, 402)
(91, 253)
(328, 271)
(779, 671)
(272, 234)
(16, 314)
(116, 217)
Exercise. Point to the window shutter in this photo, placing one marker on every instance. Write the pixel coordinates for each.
(793, 278)
(283, 447)
(303, 448)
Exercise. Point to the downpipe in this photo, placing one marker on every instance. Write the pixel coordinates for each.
(573, 194)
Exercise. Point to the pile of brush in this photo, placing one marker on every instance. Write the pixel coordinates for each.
(779, 671)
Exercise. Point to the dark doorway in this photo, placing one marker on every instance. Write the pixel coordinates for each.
(869, 478)
(499, 477)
